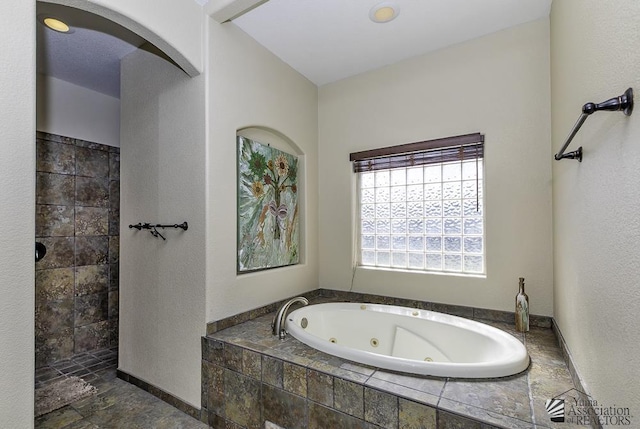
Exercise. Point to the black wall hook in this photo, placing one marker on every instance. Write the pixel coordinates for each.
(623, 102)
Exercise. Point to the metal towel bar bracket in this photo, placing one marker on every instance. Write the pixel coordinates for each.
(623, 102)
(153, 228)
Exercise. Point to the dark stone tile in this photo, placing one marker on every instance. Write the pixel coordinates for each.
(349, 397)
(431, 385)
(92, 192)
(452, 421)
(295, 379)
(506, 396)
(82, 424)
(114, 221)
(456, 310)
(54, 347)
(92, 221)
(55, 189)
(323, 418)
(541, 338)
(213, 351)
(91, 250)
(114, 305)
(337, 367)
(272, 371)
(452, 414)
(85, 359)
(242, 400)
(182, 408)
(412, 415)
(52, 157)
(114, 277)
(540, 321)
(219, 422)
(496, 315)
(320, 387)
(227, 322)
(54, 285)
(403, 391)
(114, 165)
(46, 137)
(91, 162)
(252, 364)
(60, 253)
(113, 333)
(213, 378)
(92, 337)
(47, 373)
(91, 145)
(114, 249)
(114, 194)
(283, 408)
(91, 279)
(54, 221)
(60, 418)
(71, 367)
(204, 383)
(90, 309)
(212, 328)
(233, 357)
(53, 317)
(380, 408)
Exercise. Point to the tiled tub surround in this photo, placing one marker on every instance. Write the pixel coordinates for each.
(77, 218)
(250, 376)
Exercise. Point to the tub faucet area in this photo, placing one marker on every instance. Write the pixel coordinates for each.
(279, 321)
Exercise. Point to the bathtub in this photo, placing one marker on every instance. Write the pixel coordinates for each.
(408, 340)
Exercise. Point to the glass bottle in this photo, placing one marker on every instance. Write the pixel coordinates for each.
(522, 309)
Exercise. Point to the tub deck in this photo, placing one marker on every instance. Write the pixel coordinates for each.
(250, 376)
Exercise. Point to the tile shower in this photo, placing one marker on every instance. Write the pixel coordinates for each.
(77, 219)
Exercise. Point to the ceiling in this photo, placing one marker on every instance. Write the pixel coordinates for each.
(324, 40)
(90, 55)
(328, 40)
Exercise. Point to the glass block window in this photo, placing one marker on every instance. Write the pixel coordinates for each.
(427, 217)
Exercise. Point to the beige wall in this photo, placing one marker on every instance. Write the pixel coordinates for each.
(73, 111)
(250, 87)
(17, 208)
(595, 55)
(497, 85)
(162, 180)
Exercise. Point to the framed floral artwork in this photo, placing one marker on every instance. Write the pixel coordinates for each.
(268, 214)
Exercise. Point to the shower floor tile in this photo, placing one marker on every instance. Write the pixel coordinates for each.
(87, 366)
(117, 404)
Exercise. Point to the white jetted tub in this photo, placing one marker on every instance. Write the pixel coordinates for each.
(408, 340)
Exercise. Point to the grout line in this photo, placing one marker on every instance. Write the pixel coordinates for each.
(446, 381)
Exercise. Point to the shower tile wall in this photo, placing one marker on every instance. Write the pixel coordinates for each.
(77, 218)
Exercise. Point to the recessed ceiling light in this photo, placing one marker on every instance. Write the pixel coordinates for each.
(56, 24)
(384, 12)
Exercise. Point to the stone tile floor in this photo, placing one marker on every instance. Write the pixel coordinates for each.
(117, 405)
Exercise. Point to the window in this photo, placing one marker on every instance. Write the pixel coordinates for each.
(421, 205)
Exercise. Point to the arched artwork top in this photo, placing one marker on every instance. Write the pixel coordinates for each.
(189, 39)
(271, 136)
